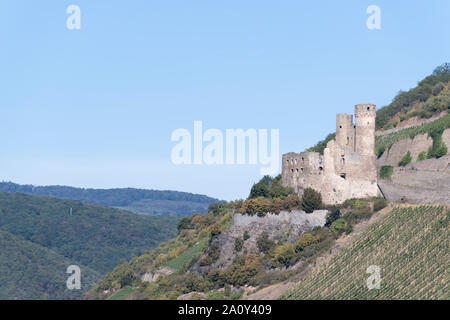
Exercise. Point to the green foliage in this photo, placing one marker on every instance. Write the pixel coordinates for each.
(405, 101)
(31, 271)
(321, 145)
(95, 236)
(188, 255)
(380, 150)
(284, 254)
(261, 205)
(431, 128)
(438, 149)
(143, 201)
(243, 270)
(379, 203)
(304, 241)
(184, 223)
(422, 156)
(311, 200)
(269, 188)
(405, 160)
(386, 172)
(215, 295)
(333, 214)
(264, 243)
(246, 235)
(212, 256)
(238, 244)
(123, 294)
(338, 226)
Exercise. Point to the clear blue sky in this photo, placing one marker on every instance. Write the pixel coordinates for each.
(96, 107)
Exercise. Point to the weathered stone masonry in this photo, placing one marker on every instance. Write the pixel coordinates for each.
(347, 168)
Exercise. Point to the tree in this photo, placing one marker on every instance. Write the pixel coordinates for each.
(284, 254)
(311, 200)
(264, 243)
(184, 223)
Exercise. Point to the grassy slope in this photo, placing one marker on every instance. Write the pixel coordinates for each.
(410, 245)
(30, 271)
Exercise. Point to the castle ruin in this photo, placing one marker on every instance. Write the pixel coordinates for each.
(347, 168)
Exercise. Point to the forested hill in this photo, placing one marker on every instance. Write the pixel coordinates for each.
(95, 236)
(47, 235)
(143, 201)
(31, 271)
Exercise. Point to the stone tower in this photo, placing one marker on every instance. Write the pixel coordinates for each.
(365, 129)
(347, 168)
(365, 115)
(345, 131)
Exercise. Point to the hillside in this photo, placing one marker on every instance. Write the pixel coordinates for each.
(92, 235)
(30, 271)
(172, 203)
(411, 247)
(429, 100)
(237, 246)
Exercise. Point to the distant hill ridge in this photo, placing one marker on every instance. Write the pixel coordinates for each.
(160, 202)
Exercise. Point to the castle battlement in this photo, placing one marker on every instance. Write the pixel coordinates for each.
(347, 168)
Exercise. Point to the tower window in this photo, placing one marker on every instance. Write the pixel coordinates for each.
(368, 108)
(342, 175)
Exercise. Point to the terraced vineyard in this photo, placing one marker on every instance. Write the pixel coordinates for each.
(409, 244)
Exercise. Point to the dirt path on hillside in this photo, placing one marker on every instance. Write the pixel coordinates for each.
(275, 291)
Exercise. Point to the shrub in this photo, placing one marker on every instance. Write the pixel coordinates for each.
(236, 296)
(264, 243)
(238, 244)
(215, 230)
(305, 240)
(422, 156)
(405, 160)
(386, 172)
(246, 235)
(284, 254)
(258, 190)
(379, 204)
(380, 150)
(291, 202)
(215, 295)
(184, 223)
(438, 149)
(311, 200)
(333, 215)
(338, 226)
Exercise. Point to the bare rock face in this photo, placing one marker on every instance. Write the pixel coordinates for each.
(285, 226)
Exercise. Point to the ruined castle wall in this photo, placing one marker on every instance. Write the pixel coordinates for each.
(347, 168)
